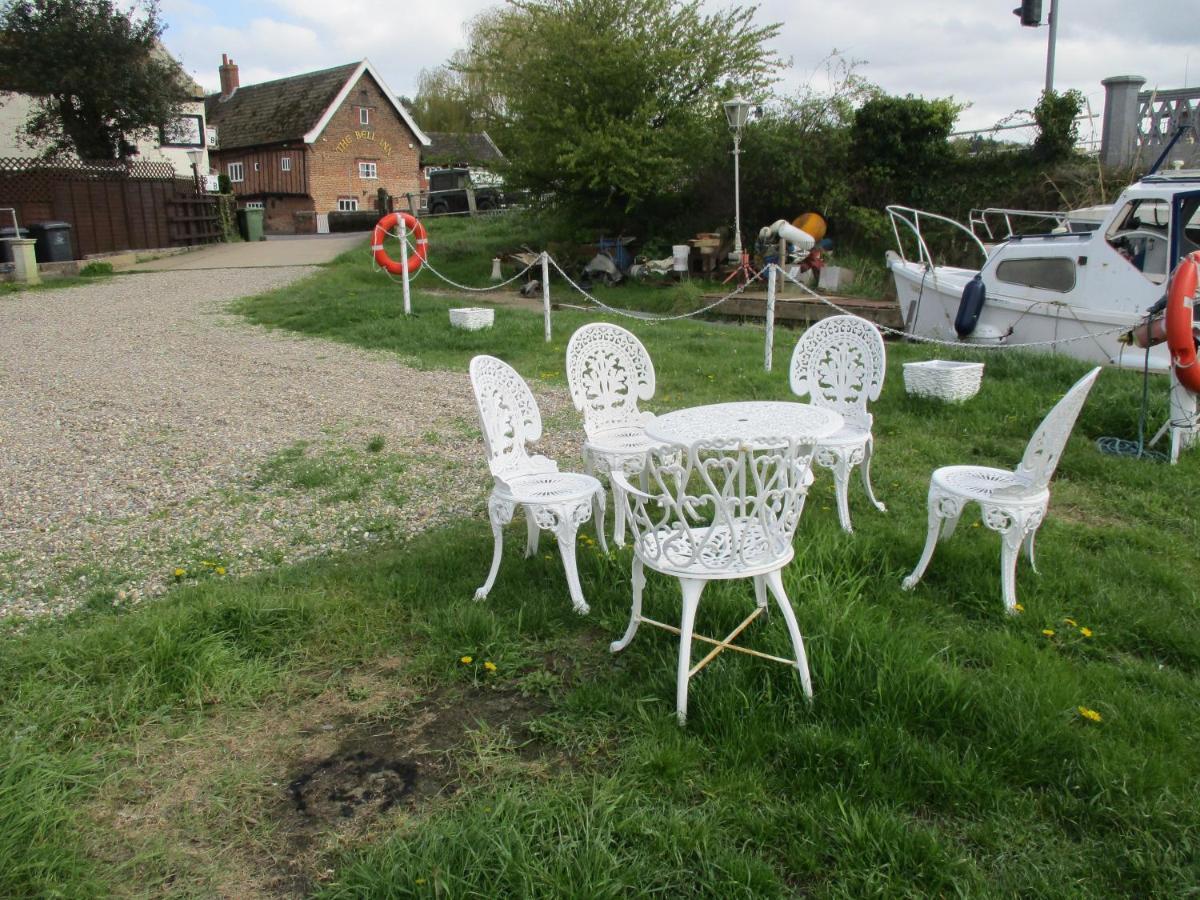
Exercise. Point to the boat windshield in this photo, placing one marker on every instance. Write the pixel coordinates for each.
(1139, 233)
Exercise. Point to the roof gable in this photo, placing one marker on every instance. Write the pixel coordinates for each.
(289, 109)
(466, 149)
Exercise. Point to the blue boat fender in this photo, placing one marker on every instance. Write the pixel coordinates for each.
(970, 306)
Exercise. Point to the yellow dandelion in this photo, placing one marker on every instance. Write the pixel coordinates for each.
(1018, 607)
(1048, 632)
(220, 570)
(467, 660)
(490, 666)
(1070, 622)
(207, 562)
(1085, 631)
(419, 881)
(179, 573)
(1090, 714)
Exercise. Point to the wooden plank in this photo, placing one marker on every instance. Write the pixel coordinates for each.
(808, 309)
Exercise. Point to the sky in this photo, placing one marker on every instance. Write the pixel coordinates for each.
(973, 50)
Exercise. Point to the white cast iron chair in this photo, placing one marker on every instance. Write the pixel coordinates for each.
(608, 372)
(717, 513)
(553, 500)
(1013, 503)
(840, 363)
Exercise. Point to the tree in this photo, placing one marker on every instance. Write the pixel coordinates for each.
(898, 146)
(457, 97)
(607, 105)
(1058, 130)
(99, 78)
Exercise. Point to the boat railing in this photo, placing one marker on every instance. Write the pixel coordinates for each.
(912, 220)
(979, 220)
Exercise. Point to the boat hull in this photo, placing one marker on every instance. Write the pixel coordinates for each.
(929, 298)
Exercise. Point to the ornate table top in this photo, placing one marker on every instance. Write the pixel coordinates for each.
(756, 423)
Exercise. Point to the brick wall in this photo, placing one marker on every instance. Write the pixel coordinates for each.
(385, 141)
(279, 215)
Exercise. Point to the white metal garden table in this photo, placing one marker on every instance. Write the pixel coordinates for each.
(756, 424)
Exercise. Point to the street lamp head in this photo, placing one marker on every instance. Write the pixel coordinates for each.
(737, 111)
(195, 157)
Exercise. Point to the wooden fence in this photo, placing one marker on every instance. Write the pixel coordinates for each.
(111, 206)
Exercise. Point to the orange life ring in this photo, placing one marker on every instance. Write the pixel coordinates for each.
(1181, 339)
(383, 227)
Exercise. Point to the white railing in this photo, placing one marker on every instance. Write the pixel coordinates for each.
(911, 219)
(978, 219)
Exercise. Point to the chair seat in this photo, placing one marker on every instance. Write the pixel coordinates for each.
(848, 435)
(548, 487)
(985, 484)
(673, 551)
(626, 440)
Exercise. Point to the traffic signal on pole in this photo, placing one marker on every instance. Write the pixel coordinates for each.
(1030, 12)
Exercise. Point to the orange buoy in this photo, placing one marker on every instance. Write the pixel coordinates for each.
(811, 223)
(383, 227)
(1181, 322)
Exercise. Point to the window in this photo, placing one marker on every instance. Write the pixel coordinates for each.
(367, 169)
(236, 172)
(183, 131)
(285, 164)
(1051, 273)
(256, 166)
(364, 115)
(253, 204)
(347, 204)
(1139, 234)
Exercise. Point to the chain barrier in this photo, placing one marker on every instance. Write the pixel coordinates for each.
(426, 264)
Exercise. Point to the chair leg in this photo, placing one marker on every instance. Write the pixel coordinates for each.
(931, 539)
(692, 588)
(635, 611)
(619, 516)
(1009, 549)
(533, 533)
(760, 591)
(841, 488)
(601, 501)
(565, 531)
(500, 514)
(1029, 550)
(868, 452)
(775, 582)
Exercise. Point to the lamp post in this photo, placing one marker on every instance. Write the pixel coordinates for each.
(737, 111)
(196, 157)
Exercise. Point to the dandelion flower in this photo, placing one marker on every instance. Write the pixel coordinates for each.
(1018, 607)
(490, 666)
(467, 660)
(1085, 631)
(1048, 632)
(1070, 622)
(1090, 714)
(419, 881)
(220, 570)
(179, 573)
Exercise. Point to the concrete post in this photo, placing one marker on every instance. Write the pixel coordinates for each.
(24, 261)
(1118, 141)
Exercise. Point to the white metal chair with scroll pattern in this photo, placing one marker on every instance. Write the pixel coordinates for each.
(608, 372)
(554, 501)
(840, 363)
(713, 513)
(1013, 503)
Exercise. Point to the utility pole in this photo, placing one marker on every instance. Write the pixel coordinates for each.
(1052, 21)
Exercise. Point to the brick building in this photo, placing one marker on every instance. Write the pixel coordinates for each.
(304, 146)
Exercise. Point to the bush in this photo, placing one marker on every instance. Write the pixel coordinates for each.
(95, 269)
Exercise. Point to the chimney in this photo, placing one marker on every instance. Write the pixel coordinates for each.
(229, 76)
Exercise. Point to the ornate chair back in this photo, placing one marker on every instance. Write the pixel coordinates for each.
(718, 512)
(840, 363)
(1046, 446)
(608, 372)
(510, 419)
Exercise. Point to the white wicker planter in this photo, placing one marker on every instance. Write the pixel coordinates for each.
(943, 379)
(472, 318)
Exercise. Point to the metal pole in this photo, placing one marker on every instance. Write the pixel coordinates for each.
(769, 351)
(1050, 42)
(404, 267)
(737, 194)
(546, 292)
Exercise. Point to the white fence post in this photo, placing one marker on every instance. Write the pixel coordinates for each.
(404, 266)
(770, 347)
(546, 291)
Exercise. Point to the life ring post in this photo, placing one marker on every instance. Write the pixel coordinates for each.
(1181, 322)
(408, 263)
(404, 267)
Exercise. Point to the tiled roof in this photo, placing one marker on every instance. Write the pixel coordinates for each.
(275, 111)
(449, 149)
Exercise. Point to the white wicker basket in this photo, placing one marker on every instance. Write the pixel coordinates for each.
(472, 318)
(943, 379)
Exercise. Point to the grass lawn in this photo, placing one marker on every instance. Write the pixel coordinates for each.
(331, 728)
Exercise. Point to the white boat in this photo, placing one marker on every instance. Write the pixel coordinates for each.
(1075, 288)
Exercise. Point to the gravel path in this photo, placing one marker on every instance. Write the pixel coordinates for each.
(146, 432)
